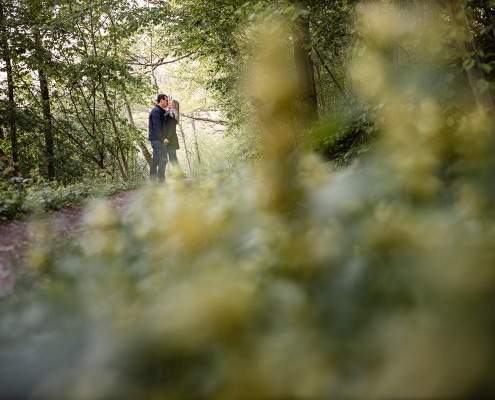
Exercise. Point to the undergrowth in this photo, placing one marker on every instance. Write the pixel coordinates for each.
(20, 198)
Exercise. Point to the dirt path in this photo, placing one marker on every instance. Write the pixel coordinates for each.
(16, 236)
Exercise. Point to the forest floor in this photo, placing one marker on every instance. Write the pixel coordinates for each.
(16, 237)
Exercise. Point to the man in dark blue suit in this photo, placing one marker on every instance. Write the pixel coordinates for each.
(156, 135)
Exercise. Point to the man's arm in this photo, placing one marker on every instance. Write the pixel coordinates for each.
(155, 125)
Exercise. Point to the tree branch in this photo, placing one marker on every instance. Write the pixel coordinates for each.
(159, 62)
(221, 122)
(331, 75)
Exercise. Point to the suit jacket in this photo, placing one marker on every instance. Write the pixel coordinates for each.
(156, 124)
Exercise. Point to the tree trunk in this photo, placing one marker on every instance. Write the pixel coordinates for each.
(193, 126)
(40, 60)
(47, 119)
(142, 146)
(122, 161)
(11, 108)
(457, 14)
(305, 71)
(183, 136)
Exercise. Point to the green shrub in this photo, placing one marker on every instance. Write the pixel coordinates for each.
(11, 198)
(9, 205)
(26, 198)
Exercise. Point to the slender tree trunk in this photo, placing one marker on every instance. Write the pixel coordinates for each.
(305, 72)
(122, 161)
(332, 75)
(457, 14)
(11, 107)
(128, 111)
(47, 119)
(40, 60)
(195, 137)
(142, 146)
(11, 114)
(183, 137)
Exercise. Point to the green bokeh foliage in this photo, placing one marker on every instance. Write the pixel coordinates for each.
(370, 281)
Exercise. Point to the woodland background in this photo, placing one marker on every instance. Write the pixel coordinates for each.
(335, 235)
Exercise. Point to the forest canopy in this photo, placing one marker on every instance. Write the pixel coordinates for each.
(78, 78)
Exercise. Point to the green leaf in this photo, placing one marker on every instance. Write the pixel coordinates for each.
(486, 67)
(468, 64)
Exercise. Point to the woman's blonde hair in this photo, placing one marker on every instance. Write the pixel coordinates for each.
(175, 107)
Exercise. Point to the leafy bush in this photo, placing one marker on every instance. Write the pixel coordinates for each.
(11, 198)
(10, 205)
(345, 137)
(18, 200)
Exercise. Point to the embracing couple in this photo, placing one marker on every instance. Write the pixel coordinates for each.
(162, 134)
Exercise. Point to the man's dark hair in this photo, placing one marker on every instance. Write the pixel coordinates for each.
(160, 97)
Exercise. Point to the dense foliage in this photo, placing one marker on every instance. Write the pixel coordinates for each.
(23, 198)
(67, 84)
(287, 279)
(76, 75)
